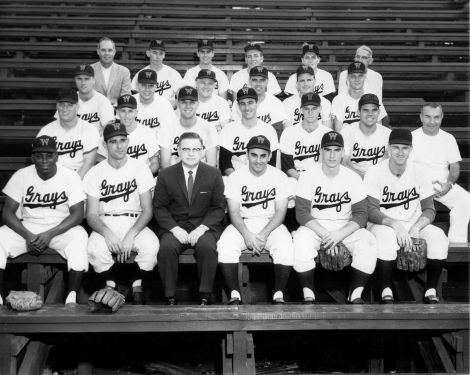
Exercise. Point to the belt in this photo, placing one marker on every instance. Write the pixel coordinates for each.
(124, 214)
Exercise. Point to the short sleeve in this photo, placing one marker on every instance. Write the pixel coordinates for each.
(90, 185)
(222, 82)
(425, 186)
(272, 136)
(14, 186)
(371, 183)
(232, 190)
(305, 185)
(106, 112)
(291, 87)
(145, 180)
(212, 136)
(284, 188)
(325, 109)
(286, 142)
(273, 84)
(347, 136)
(166, 113)
(342, 85)
(225, 113)
(152, 144)
(75, 188)
(165, 138)
(357, 187)
(91, 138)
(329, 85)
(453, 153)
(336, 108)
(279, 114)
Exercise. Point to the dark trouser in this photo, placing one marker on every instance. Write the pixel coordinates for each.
(206, 259)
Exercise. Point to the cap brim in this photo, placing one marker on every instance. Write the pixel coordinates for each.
(67, 100)
(116, 135)
(44, 149)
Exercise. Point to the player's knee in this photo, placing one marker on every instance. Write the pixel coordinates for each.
(437, 244)
(304, 266)
(365, 261)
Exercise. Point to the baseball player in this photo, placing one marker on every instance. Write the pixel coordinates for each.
(344, 108)
(205, 53)
(119, 207)
(142, 140)
(373, 81)
(153, 111)
(51, 201)
(253, 58)
(234, 138)
(169, 80)
(305, 84)
(324, 84)
(401, 206)
(435, 152)
(188, 103)
(77, 140)
(366, 141)
(331, 207)
(257, 202)
(111, 79)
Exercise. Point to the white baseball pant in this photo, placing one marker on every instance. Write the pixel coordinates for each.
(458, 201)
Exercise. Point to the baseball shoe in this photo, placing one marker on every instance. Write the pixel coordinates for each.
(308, 301)
(137, 295)
(431, 300)
(357, 301)
(204, 302)
(387, 300)
(235, 301)
(279, 301)
(171, 301)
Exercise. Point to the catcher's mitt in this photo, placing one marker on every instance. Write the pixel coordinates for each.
(106, 298)
(335, 262)
(414, 260)
(24, 301)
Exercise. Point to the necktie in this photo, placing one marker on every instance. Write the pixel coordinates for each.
(190, 185)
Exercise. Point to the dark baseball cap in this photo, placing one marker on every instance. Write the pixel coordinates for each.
(147, 76)
(206, 73)
(157, 44)
(332, 139)
(305, 70)
(114, 129)
(310, 47)
(310, 99)
(259, 71)
(259, 141)
(205, 43)
(401, 136)
(188, 93)
(369, 99)
(253, 46)
(44, 143)
(84, 69)
(67, 96)
(127, 101)
(356, 67)
(247, 93)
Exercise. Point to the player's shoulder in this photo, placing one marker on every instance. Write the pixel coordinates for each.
(275, 173)
(292, 100)
(379, 169)
(273, 100)
(193, 70)
(67, 173)
(171, 71)
(373, 74)
(272, 76)
(323, 72)
(50, 126)
(348, 174)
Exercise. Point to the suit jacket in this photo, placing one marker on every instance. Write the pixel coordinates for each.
(119, 81)
(172, 207)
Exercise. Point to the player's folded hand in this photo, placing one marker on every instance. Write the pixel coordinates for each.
(42, 240)
(126, 247)
(403, 237)
(180, 234)
(112, 241)
(250, 241)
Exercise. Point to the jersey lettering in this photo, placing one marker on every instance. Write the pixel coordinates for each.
(69, 147)
(238, 145)
(150, 122)
(210, 116)
(136, 151)
(304, 152)
(52, 200)
(402, 198)
(90, 117)
(251, 199)
(367, 154)
(266, 118)
(162, 86)
(325, 200)
(350, 116)
(318, 89)
(298, 116)
(122, 190)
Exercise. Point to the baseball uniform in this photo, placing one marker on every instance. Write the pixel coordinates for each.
(221, 85)
(294, 114)
(345, 108)
(373, 82)
(97, 111)
(215, 111)
(155, 115)
(324, 83)
(168, 82)
(270, 110)
(241, 80)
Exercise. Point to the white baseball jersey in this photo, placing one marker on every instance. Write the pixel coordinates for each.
(72, 143)
(332, 197)
(97, 111)
(241, 80)
(400, 197)
(346, 109)
(222, 81)
(118, 190)
(324, 83)
(294, 114)
(270, 110)
(433, 154)
(365, 150)
(372, 84)
(45, 202)
(157, 114)
(169, 82)
(257, 194)
(304, 146)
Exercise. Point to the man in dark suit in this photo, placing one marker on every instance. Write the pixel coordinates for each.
(189, 206)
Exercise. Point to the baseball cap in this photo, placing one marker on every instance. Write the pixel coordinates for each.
(147, 76)
(67, 96)
(401, 136)
(259, 141)
(247, 93)
(85, 69)
(305, 70)
(206, 73)
(253, 46)
(332, 139)
(259, 71)
(369, 99)
(310, 47)
(310, 99)
(157, 44)
(127, 101)
(356, 67)
(114, 129)
(188, 93)
(44, 143)
(205, 43)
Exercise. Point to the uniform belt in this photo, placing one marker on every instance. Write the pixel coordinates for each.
(124, 214)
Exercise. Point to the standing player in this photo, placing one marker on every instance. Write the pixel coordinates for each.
(77, 140)
(435, 152)
(205, 53)
(111, 79)
(344, 108)
(331, 207)
(253, 58)
(119, 207)
(257, 202)
(169, 80)
(366, 141)
(235, 136)
(51, 201)
(305, 84)
(169, 137)
(401, 207)
(324, 84)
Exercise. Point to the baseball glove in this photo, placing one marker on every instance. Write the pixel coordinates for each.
(335, 262)
(107, 298)
(414, 260)
(24, 300)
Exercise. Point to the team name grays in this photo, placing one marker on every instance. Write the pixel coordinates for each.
(123, 189)
(403, 197)
(51, 200)
(325, 200)
(259, 197)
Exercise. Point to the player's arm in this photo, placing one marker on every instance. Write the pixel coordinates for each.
(225, 161)
(280, 209)
(154, 164)
(288, 167)
(337, 124)
(94, 221)
(211, 156)
(237, 221)
(454, 173)
(327, 122)
(304, 217)
(11, 220)
(165, 157)
(428, 213)
(89, 160)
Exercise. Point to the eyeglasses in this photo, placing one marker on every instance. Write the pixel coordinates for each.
(186, 149)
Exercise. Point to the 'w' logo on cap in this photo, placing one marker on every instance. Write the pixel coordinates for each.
(45, 141)
(189, 91)
(159, 41)
(148, 74)
(245, 90)
(205, 42)
(260, 139)
(357, 65)
(333, 136)
(126, 98)
(116, 126)
(82, 67)
(260, 69)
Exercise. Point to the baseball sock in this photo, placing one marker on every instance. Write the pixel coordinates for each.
(306, 282)
(433, 272)
(140, 277)
(75, 279)
(108, 277)
(230, 272)
(1, 285)
(384, 271)
(358, 281)
(281, 275)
